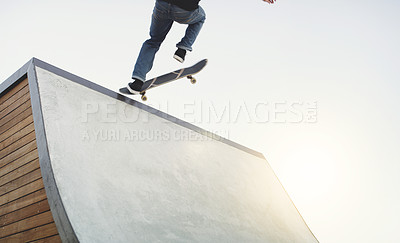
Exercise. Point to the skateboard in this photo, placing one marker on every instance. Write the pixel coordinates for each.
(169, 77)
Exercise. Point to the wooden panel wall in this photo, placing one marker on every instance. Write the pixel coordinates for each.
(24, 210)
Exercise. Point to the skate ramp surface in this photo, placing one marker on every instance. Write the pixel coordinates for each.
(120, 171)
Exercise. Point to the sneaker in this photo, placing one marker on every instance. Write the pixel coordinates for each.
(180, 55)
(135, 86)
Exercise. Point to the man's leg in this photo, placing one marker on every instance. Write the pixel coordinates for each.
(160, 26)
(195, 21)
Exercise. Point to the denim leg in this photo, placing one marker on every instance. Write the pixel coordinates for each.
(195, 22)
(159, 29)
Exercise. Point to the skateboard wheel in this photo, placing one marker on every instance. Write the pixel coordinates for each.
(193, 80)
(144, 97)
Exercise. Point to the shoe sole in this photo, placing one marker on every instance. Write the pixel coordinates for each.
(179, 59)
(134, 92)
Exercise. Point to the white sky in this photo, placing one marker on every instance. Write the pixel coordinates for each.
(265, 62)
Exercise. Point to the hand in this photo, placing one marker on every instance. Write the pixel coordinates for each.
(270, 1)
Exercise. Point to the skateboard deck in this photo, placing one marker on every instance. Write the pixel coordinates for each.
(169, 77)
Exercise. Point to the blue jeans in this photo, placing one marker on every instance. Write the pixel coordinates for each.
(164, 15)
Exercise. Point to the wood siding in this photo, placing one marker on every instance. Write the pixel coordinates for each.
(25, 214)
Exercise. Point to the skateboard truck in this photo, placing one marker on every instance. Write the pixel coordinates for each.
(144, 97)
(192, 80)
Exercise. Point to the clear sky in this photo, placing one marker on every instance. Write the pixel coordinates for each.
(314, 85)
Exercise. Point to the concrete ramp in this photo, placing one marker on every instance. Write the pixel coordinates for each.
(116, 170)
